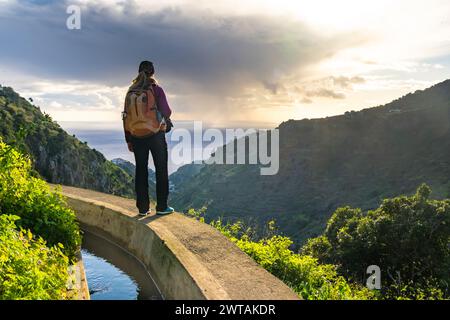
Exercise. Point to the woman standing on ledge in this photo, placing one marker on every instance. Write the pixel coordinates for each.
(146, 119)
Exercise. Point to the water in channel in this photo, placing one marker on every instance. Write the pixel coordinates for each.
(114, 274)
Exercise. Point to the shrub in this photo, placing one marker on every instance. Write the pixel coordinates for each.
(304, 274)
(28, 269)
(42, 211)
(407, 237)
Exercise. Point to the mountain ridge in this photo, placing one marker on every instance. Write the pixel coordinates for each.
(130, 168)
(57, 156)
(355, 159)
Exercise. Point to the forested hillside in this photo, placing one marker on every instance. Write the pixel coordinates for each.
(57, 156)
(355, 159)
(130, 168)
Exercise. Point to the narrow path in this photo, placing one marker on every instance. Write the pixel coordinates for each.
(222, 258)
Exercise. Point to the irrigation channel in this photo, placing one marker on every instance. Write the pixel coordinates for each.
(113, 273)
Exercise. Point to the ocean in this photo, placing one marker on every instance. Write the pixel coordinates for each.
(108, 138)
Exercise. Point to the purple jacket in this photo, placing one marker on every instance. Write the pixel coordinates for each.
(161, 101)
(162, 104)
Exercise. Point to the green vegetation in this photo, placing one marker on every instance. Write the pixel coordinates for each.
(309, 279)
(42, 211)
(407, 237)
(303, 274)
(130, 169)
(29, 269)
(355, 160)
(56, 156)
(39, 235)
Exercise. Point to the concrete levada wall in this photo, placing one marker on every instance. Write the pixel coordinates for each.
(187, 259)
(77, 280)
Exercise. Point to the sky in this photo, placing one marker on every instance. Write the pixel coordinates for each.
(224, 62)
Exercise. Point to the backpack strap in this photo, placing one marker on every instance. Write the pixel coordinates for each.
(152, 88)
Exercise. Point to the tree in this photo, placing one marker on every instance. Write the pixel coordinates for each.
(407, 237)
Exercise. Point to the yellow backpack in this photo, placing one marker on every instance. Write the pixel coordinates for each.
(141, 115)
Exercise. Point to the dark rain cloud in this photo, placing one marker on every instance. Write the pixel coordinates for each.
(193, 50)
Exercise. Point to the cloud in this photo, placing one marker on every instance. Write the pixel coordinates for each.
(192, 50)
(346, 82)
(216, 59)
(306, 100)
(324, 93)
(273, 87)
(331, 87)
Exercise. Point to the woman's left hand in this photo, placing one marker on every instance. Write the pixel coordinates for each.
(169, 125)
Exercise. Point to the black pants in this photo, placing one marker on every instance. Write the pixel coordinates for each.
(157, 145)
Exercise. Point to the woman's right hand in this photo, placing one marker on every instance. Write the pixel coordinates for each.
(130, 146)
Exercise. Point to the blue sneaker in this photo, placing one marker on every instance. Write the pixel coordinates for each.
(164, 212)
